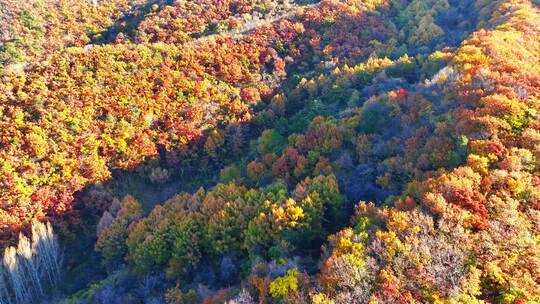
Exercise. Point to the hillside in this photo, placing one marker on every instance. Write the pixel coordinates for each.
(261, 151)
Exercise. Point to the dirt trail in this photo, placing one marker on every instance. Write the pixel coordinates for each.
(251, 25)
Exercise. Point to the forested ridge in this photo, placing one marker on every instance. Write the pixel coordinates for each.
(259, 151)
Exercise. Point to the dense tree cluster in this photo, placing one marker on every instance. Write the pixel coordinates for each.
(31, 29)
(138, 99)
(340, 152)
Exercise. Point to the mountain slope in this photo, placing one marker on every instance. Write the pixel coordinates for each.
(339, 152)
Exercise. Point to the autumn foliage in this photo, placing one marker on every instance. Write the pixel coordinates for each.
(278, 151)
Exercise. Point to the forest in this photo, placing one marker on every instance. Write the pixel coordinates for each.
(269, 151)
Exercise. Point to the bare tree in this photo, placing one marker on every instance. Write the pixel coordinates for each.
(46, 248)
(243, 298)
(4, 286)
(105, 221)
(15, 274)
(28, 262)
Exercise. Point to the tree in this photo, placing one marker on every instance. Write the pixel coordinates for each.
(186, 246)
(16, 275)
(243, 298)
(323, 135)
(426, 32)
(255, 171)
(45, 247)
(290, 165)
(283, 286)
(29, 262)
(214, 142)
(270, 141)
(111, 242)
